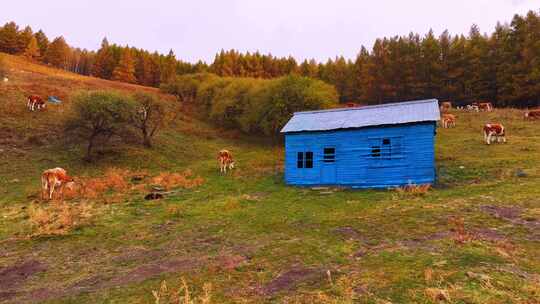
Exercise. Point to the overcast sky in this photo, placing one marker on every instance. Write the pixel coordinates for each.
(301, 28)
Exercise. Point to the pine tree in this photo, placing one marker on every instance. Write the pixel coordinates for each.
(168, 68)
(24, 38)
(32, 50)
(9, 38)
(125, 70)
(104, 64)
(57, 53)
(42, 41)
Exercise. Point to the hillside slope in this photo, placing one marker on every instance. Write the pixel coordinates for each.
(474, 238)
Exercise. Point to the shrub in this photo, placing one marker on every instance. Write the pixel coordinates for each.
(230, 103)
(273, 105)
(100, 115)
(150, 116)
(185, 87)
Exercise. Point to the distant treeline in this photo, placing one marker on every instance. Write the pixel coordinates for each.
(502, 67)
(256, 106)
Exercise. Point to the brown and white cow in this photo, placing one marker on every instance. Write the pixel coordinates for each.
(485, 106)
(448, 120)
(494, 131)
(473, 107)
(35, 102)
(55, 179)
(225, 160)
(532, 114)
(446, 106)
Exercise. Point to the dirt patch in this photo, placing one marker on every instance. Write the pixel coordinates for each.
(100, 282)
(349, 233)
(290, 280)
(138, 255)
(148, 271)
(507, 213)
(487, 234)
(231, 261)
(14, 275)
(420, 242)
(513, 215)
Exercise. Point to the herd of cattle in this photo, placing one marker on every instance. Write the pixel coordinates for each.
(56, 179)
(492, 131)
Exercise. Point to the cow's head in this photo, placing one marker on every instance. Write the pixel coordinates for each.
(231, 165)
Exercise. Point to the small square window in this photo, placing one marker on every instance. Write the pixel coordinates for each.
(375, 151)
(386, 141)
(329, 155)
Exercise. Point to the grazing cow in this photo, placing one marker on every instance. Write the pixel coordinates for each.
(225, 160)
(494, 132)
(473, 107)
(448, 120)
(532, 114)
(485, 106)
(55, 179)
(446, 106)
(35, 102)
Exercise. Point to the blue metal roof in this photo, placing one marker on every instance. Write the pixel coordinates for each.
(345, 118)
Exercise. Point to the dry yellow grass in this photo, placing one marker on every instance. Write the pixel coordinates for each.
(181, 294)
(58, 218)
(178, 180)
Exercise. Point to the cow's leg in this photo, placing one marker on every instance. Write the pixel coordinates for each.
(51, 191)
(44, 187)
(488, 139)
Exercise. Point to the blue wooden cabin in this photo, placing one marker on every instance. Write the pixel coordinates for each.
(378, 146)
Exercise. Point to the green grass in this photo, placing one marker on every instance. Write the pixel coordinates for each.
(275, 228)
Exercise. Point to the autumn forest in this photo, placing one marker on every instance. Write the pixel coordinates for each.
(502, 66)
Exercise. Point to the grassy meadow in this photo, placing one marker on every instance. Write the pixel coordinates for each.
(245, 237)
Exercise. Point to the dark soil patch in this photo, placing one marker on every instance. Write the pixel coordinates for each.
(99, 282)
(420, 242)
(138, 255)
(12, 276)
(349, 233)
(144, 272)
(231, 261)
(508, 213)
(6, 295)
(513, 215)
(487, 234)
(290, 280)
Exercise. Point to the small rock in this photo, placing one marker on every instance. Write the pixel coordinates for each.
(15, 180)
(521, 173)
(462, 167)
(153, 196)
(137, 178)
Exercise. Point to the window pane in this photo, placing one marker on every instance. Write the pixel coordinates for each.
(309, 160)
(300, 160)
(329, 155)
(375, 151)
(386, 141)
